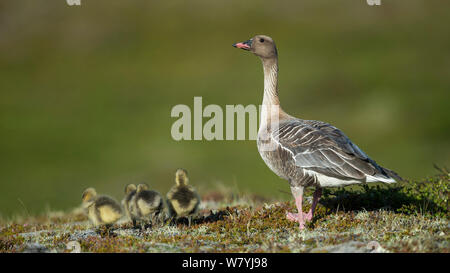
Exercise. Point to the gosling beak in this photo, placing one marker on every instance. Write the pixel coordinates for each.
(244, 45)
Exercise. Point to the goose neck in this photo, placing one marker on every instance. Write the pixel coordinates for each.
(271, 111)
(270, 82)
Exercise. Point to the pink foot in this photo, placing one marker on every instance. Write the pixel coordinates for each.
(294, 216)
(302, 226)
(307, 216)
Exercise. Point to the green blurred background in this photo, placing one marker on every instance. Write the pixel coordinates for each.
(86, 92)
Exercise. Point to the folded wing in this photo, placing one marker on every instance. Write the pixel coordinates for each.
(322, 148)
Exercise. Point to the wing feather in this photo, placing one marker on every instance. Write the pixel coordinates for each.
(320, 147)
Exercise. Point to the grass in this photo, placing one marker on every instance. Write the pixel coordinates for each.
(408, 217)
(85, 100)
(429, 196)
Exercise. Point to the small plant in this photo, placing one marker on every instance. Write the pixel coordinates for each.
(427, 197)
(403, 217)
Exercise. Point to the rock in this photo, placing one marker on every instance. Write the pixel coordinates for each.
(352, 247)
(83, 234)
(35, 248)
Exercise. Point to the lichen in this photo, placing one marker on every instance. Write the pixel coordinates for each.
(408, 217)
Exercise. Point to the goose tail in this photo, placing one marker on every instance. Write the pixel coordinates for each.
(393, 174)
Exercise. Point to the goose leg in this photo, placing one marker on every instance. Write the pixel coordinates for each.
(308, 216)
(297, 192)
(316, 197)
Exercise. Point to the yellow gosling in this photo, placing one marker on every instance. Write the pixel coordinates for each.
(182, 199)
(147, 205)
(100, 209)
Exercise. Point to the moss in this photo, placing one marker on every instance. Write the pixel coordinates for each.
(408, 217)
(429, 197)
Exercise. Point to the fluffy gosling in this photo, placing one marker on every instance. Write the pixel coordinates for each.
(182, 199)
(128, 203)
(100, 209)
(147, 204)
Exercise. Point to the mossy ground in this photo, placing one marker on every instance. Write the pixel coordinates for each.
(406, 217)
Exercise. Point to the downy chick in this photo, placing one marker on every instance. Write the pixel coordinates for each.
(128, 202)
(148, 204)
(100, 209)
(182, 199)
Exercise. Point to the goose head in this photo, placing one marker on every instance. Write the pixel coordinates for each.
(261, 45)
(130, 188)
(181, 177)
(142, 187)
(88, 195)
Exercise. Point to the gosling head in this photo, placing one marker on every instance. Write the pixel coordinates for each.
(142, 187)
(88, 195)
(181, 177)
(130, 188)
(261, 45)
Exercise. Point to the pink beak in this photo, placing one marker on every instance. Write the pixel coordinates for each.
(244, 45)
(241, 45)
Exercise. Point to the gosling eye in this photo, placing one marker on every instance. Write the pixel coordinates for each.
(261, 40)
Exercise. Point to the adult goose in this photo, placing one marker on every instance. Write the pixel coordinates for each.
(306, 152)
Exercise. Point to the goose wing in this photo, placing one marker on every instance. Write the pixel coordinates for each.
(322, 148)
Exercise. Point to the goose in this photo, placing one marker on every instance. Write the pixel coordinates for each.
(182, 199)
(100, 209)
(147, 204)
(127, 201)
(306, 153)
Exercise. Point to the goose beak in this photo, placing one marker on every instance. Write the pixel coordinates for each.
(244, 45)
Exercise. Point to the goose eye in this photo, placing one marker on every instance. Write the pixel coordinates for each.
(261, 40)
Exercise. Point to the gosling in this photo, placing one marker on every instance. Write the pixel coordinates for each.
(100, 209)
(128, 203)
(182, 199)
(147, 205)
